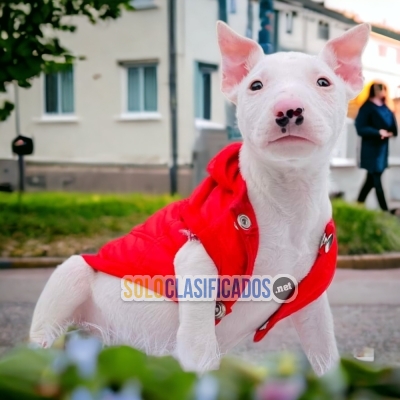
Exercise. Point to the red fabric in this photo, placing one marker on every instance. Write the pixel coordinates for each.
(311, 287)
(211, 214)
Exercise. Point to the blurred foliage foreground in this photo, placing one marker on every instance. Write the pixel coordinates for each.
(78, 368)
(62, 224)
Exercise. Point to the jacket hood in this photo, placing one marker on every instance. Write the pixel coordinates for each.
(224, 167)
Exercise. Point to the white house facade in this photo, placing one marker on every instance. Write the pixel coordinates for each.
(105, 124)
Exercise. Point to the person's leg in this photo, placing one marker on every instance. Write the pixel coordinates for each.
(379, 191)
(368, 185)
(395, 211)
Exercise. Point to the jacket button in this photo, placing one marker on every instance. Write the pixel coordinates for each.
(327, 242)
(220, 310)
(244, 221)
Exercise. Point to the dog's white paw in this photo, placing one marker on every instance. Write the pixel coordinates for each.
(197, 352)
(321, 364)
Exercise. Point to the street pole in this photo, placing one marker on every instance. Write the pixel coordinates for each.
(265, 35)
(173, 172)
(21, 164)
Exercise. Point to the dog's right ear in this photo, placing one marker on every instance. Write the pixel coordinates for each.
(343, 54)
(238, 55)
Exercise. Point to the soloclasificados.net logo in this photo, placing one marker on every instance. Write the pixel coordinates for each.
(282, 288)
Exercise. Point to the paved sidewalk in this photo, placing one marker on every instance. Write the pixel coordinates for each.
(365, 305)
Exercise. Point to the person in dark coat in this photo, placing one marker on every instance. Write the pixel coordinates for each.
(375, 123)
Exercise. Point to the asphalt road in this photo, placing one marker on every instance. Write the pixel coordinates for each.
(365, 305)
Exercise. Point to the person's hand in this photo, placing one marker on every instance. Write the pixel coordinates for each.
(385, 134)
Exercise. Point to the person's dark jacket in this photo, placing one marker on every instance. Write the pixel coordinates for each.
(374, 149)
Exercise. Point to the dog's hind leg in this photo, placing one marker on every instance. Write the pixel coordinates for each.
(68, 287)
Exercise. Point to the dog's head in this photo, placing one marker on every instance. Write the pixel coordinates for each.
(291, 106)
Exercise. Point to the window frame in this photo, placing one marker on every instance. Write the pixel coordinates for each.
(232, 7)
(127, 115)
(323, 30)
(201, 68)
(289, 17)
(59, 114)
(144, 4)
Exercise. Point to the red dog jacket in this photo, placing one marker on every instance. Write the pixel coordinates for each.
(220, 215)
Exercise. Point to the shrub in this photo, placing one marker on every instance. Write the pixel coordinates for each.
(46, 219)
(82, 370)
(362, 231)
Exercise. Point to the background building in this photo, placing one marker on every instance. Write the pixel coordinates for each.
(104, 125)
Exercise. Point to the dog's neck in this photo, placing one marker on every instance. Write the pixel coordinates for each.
(294, 191)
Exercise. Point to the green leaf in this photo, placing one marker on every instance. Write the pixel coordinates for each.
(117, 365)
(238, 379)
(166, 380)
(6, 110)
(21, 372)
(383, 381)
(160, 378)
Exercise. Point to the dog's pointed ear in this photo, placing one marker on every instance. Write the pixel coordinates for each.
(238, 56)
(343, 55)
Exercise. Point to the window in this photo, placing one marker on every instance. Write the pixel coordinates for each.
(323, 30)
(143, 4)
(204, 89)
(232, 6)
(142, 88)
(382, 50)
(59, 92)
(289, 22)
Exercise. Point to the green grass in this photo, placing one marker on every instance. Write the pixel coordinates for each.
(65, 223)
(48, 218)
(362, 231)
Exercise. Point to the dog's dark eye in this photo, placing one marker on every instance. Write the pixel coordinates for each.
(257, 85)
(323, 82)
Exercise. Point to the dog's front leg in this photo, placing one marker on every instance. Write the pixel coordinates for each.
(196, 347)
(314, 325)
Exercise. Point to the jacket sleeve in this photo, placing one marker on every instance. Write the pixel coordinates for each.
(364, 129)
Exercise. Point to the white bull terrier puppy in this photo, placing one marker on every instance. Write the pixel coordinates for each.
(291, 108)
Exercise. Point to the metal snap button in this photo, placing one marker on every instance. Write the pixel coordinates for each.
(244, 221)
(327, 242)
(220, 310)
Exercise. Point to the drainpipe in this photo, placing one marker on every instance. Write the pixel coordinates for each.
(266, 32)
(173, 103)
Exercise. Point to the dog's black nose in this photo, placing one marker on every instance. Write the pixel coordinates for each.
(282, 121)
(286, 109)
(283, 118)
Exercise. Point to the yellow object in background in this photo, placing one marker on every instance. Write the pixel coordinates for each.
(355, 104)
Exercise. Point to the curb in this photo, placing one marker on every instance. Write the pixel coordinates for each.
(370, 261)
(30, 262)
(365, 261)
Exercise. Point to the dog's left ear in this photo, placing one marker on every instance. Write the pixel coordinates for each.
(343, 55)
